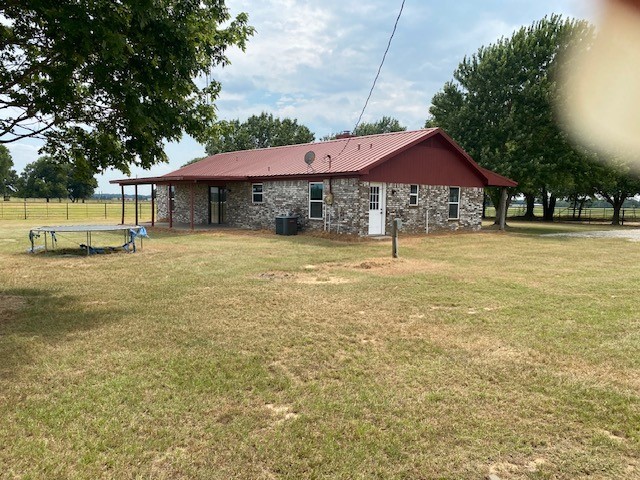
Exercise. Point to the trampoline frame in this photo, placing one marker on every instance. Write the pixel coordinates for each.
(88, 230)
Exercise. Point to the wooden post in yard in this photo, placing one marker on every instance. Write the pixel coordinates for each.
(394, 237)
(503, 208)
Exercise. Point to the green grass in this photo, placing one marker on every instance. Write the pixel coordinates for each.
(247, 355)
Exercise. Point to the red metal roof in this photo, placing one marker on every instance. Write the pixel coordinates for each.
(360, 153)
(355, 155)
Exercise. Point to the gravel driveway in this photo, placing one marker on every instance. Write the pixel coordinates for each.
(633, 235)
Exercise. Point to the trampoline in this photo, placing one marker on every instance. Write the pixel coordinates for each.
(51, 233)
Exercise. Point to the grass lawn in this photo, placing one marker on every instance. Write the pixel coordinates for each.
(249, 355)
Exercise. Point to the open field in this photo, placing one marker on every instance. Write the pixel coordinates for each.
(229, 354)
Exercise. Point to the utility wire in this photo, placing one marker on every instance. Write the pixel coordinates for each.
(395, 26)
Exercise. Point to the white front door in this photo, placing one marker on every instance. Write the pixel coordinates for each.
(376, 209)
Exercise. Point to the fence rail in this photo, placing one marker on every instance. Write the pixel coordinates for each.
(596, 214)
(54, 210)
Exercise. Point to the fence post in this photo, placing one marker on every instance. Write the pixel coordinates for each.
(25, 208)
(67, 210)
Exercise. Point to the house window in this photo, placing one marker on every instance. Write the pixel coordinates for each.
(257, 194)
(413, 195)
(454, 203)
(172, 198)
(316, 190)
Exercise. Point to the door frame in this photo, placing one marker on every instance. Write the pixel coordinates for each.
(223, 214)
(383, 208)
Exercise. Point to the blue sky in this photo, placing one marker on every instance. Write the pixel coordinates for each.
(315, 61)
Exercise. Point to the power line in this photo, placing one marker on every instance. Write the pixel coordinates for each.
(395, 26)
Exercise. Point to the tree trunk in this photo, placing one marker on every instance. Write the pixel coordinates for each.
(582, 202)
(495, 194)
(504, 202)
(531, 205)
(548, 205)
(617, 206)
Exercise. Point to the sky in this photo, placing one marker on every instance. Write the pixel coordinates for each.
(315, 61)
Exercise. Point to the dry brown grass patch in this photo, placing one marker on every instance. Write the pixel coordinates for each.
(10, 305)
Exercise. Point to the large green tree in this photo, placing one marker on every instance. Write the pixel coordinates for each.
(259, 131)
(45, 178)
(500, 107)
(108, 83)
(8, 176)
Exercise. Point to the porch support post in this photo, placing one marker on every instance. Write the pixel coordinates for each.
(136, 196)
(153, 206)
(170, 207)
(503, 208)
(122, 190)
(191, 202)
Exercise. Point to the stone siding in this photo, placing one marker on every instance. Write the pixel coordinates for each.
(291, 197)
(435, 200)
(182, 208)
(162, 203)
(349, 213)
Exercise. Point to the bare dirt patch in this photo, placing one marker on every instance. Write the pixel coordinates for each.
(388, 266)
(282, 413)
(307, 278)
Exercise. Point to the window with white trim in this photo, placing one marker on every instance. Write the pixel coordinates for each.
(454, 203)
(257, 193)
(413, 195)
(172, 198)
(316, 204)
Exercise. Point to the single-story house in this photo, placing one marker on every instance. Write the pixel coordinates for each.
(352, 185)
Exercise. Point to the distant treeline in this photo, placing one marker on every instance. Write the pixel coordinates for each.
(117, 196)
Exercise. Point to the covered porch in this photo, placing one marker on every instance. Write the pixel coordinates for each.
(202, 203)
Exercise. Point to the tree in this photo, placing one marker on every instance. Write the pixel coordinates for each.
(500, 108)
(616, 182)
(8, 176)
(45, 178)
(81, 183)
(108, 83)
(384, 125)
(259, 131)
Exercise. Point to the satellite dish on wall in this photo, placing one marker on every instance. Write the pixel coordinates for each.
(309, 157)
